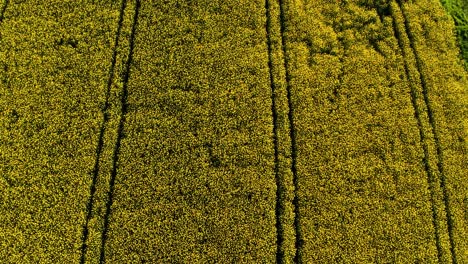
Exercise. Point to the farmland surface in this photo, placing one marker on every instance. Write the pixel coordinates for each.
(215, 131)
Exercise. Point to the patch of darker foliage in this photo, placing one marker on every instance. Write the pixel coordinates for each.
(214, 160)
(383, 11)
(67, 42)
(13, 116)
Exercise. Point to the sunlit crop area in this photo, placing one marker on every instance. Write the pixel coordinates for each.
(222, 131)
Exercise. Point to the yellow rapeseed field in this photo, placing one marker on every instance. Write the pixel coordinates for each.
(222, 131)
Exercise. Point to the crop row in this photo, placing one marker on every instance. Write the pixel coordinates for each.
(369, 171)
(55, 57)
(195, 175)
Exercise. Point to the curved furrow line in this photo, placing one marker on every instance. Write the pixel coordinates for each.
(435, 133)
(431, 176)
(422, 137)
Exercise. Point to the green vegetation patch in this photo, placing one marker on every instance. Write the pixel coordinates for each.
(458, 9)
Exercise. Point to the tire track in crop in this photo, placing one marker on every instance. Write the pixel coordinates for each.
(89, 206)
(434, 130)
(126, 76)
(279, 207)
(299, 240)
(423, 136)
(2, 11)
